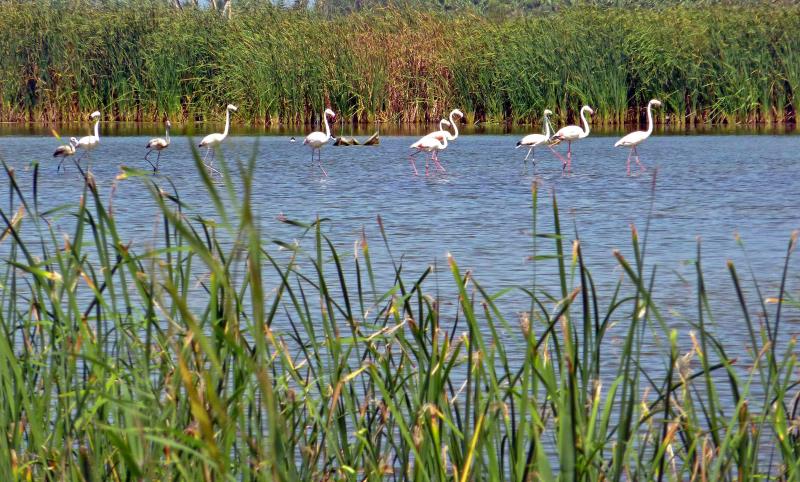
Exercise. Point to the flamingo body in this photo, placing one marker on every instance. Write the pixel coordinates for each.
(65, 151)
(637, 137)
(90, 142)
(157, 144)
(214, 140)
(433, 143)
(570, 134)
(532, 140)
(317, 140)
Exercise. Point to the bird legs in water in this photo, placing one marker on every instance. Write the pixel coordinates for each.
(210, 165)
(434, 158)
(635, 154)
(566, 163)
(533, 159)
(319, 161)
(158, 158)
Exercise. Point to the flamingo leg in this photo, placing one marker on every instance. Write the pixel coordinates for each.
(148, 160)
(319, 162)
(529, 153)
(436, 162)
(414, 164)
(158, 161)
(569, 156)
(638, 162)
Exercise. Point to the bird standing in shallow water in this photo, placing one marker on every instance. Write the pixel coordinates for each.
(214, 140)
(569, 134)
(65, 151)
(157, 144)
(532, 140)
(432, 143)
(635, 138)
(317, 140)
(88, 143)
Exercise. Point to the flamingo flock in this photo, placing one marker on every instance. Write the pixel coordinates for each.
(432, 143)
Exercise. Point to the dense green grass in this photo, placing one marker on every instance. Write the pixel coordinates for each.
(145, 61)
(205, 357)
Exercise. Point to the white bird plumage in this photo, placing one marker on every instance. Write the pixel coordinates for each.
(442, 133)
(635, 138)
(570, 134)
(66, 150)
(317, 140)
(532, 140)
(433, 143)
(157, 144)
(88, 143)
(214, 140)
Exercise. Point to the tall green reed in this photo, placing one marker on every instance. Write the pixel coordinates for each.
(214, 353)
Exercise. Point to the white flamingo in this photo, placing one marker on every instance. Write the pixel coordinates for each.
(66, 150)
(157, 144)
(532, 140)
(211, 141)
(570, 134)
(88, 143)
(635, 138)
(316, 140)
(432, 143)
(442, 133)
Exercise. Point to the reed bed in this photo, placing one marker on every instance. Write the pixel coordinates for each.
(205, 355)
(146, 61)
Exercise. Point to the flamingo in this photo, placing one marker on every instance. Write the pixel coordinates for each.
(88, 143)
(432, 143)
(316, 140)
(570, 134)
(445, 133)
(533, 140)
(635, 138)
(65, 151)
(214, 140)
(157, 144)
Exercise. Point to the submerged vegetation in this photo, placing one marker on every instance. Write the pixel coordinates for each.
(209, 356)
(147, 61)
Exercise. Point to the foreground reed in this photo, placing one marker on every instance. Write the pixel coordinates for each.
(205, 355)
(146, 61)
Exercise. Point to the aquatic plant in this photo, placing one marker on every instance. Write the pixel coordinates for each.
(147, 61)
(212, 352)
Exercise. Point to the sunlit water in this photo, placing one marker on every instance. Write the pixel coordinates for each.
(710, 188)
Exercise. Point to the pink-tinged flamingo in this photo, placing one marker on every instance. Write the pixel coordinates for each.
(532, 140)
(211, 141)
(443, 133)
(430, 143)
(635, 138)
(157, 144)
(317, 140)
(65, 151)
(570, 134)
(88, 143)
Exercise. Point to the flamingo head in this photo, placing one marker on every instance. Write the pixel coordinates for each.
(548, 112)
(587, 109)
(458, 113)
(330, 113)
(73, 141)
(95, 114)
(232, 107)
(655, 102)
(445, 122)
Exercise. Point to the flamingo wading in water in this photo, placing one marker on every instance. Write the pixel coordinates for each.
(65, 151)
(570, 134)
(433, 143)
(212, 141)
(635, 138)
(157, 144)
(316, 140)
(532, 140)
(88, 143)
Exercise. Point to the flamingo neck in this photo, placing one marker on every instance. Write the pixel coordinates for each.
(585, 124)
(649, 119)
(327, 127)
(546, 126)
(227, 123)
(167, 134)
(441, 125)
(455, 128)
(97, 129)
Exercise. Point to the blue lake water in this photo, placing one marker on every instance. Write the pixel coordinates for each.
(708, 187)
